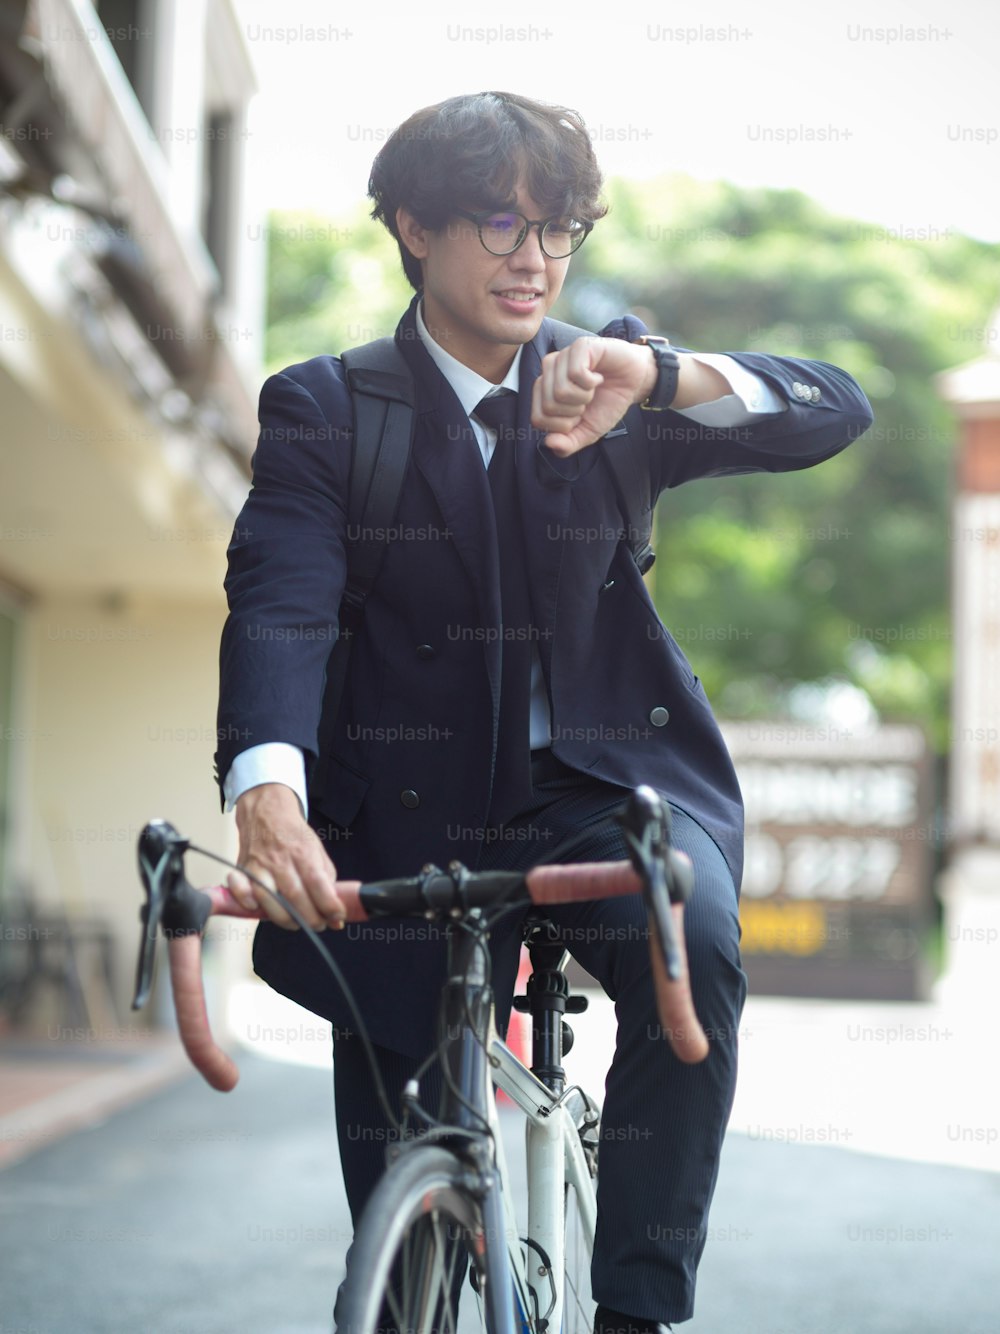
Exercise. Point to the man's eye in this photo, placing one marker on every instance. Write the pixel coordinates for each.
(503, 222)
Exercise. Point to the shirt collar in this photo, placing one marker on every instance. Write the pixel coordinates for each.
(469, 386)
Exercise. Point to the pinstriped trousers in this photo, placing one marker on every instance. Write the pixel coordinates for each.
(663, 1121)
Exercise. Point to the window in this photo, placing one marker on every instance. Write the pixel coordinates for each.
(130, 33)
(217, 191)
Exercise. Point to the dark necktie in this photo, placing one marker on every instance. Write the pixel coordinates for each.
(512, 778)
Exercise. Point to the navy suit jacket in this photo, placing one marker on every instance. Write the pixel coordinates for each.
(421, 702)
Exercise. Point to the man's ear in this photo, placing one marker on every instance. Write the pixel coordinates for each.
(411, 233)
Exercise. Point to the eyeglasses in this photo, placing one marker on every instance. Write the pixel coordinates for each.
(502, 233)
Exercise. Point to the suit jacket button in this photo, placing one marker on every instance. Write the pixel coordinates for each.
(425, 650)
(409, 798)
(659, 716)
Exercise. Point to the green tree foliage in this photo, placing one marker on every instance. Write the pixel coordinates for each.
(331, 285)
(839, 573)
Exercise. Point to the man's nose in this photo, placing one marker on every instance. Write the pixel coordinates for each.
(529, 254)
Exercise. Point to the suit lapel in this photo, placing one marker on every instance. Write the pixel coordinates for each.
(447, 455)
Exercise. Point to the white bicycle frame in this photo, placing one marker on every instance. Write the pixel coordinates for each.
(555, 1159)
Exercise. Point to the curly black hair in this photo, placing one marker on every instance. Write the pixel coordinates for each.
(471, 151)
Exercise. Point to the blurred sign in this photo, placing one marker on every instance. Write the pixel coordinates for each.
(836, 887)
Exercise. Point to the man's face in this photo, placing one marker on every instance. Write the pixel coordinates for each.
(482, 307)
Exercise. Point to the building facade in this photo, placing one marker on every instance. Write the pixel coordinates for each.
(131, 317)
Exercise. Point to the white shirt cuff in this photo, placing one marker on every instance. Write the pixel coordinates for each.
(271, 762)
(751, 396)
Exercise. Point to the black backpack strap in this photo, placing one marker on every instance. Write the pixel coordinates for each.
(626, 455)
(382, 399)
(382, 396)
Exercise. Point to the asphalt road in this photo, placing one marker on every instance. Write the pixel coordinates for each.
(194, 1213)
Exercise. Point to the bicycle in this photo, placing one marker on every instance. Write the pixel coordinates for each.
(443, 1210)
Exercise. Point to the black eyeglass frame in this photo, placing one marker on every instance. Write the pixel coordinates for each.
(485, 214)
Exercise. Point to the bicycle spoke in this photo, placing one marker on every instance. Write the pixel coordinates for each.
(443, 1282)
(422, 1231)
(423, 1284)
(578, 1306)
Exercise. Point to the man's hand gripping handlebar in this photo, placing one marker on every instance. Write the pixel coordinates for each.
(663, 875)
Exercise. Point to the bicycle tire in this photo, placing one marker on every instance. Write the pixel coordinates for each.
(408, 1264)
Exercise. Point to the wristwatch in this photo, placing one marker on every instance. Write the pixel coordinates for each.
(668, 369)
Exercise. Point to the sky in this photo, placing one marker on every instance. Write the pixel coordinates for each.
(883, 110)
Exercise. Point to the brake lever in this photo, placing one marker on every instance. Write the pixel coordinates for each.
(172, 904)
(667, 874)
(667, 877)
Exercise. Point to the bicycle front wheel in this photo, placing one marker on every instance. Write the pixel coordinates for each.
(421, 1247)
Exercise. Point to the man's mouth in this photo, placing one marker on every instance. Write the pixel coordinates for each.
(519, 294)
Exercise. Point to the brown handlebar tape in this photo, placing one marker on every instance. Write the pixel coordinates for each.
(546, 885)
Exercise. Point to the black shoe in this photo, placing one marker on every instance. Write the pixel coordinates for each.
(607, 1321)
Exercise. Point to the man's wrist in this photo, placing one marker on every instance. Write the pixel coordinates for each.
(266, 815)
(275, 792)
(263, 809)
(268, 762)
(265, 785)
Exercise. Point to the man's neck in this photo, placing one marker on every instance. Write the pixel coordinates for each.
(469, 382)
(493, 363)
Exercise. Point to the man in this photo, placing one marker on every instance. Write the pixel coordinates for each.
(508, 620)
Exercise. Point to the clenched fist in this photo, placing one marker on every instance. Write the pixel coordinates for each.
(585, 389)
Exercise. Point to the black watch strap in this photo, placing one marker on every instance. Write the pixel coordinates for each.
(668, 370)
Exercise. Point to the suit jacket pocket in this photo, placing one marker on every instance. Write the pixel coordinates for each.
(343, 791)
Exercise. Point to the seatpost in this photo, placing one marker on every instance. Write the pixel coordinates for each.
(547, 999)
